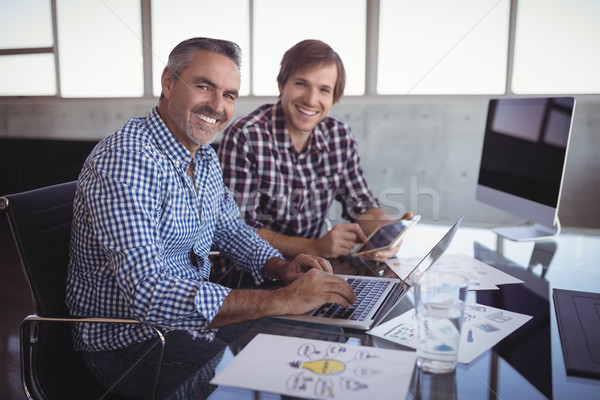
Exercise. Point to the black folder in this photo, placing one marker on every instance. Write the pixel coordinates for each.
(578, 316)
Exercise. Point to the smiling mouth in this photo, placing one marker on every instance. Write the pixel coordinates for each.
(207, 119)
(306, 112)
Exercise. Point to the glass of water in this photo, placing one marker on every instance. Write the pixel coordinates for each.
(439, 305)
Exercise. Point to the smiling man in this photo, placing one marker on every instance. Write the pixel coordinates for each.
(287, 162)
(150, 203)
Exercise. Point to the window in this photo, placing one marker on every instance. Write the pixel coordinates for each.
(100, 48)
(176, 20)
(27, 75)
(278, 25)
(428, 47)
(556, 50)
(25, 24)
(27, 62)
(443, 47)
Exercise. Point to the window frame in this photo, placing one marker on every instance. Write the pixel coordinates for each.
(371, 56)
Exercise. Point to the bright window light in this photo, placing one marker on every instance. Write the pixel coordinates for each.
(443, 47)
(27, 75)
(176, 20)
(278, 25)
(100, 48)
(556, 47)
(25, 24)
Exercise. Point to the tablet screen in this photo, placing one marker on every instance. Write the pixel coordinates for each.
(386, 235)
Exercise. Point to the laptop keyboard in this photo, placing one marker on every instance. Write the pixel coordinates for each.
(367, 291)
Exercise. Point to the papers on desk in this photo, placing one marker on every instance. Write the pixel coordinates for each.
(483, 327)
(481, 276)
(319, 369)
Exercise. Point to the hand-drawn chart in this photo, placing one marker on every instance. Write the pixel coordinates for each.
(323, 377)
(319, 369)
(483, 327)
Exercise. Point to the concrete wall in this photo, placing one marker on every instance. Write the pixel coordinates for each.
(419, 153)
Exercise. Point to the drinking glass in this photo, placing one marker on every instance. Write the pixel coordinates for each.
(439, 306)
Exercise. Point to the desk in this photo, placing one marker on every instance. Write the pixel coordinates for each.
(528, 364)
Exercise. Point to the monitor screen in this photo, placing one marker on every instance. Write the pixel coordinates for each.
(524, 155)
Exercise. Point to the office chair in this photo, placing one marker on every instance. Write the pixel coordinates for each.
(40, 221)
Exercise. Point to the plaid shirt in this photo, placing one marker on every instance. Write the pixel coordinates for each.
(283, 190)
(137, 215)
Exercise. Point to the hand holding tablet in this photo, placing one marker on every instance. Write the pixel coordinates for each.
(386, 236)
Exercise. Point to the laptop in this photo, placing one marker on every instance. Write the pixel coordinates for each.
(376, 296)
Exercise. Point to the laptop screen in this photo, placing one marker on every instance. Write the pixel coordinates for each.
(434, 254)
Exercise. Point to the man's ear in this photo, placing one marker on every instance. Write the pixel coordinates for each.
(167, 81)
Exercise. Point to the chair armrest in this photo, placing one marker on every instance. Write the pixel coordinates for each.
(25, 338)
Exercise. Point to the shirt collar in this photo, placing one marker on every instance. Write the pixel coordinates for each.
(282, 138)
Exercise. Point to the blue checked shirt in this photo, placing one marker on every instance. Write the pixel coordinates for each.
(137, 215)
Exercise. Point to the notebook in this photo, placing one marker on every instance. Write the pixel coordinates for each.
(376, 296)
(578, 325)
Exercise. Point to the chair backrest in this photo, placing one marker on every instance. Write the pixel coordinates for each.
(40, 221)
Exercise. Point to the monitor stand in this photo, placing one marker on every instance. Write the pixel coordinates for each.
(528, 232)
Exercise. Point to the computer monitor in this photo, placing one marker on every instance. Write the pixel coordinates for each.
(523, 162)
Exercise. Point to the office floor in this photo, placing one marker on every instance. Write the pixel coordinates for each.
(15, 304)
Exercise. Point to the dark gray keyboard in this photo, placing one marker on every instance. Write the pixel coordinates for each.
(367, 291)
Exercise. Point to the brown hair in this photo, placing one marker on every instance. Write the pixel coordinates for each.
(312, 53)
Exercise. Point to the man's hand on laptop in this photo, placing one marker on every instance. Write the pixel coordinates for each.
(315, 288)
(303, 263)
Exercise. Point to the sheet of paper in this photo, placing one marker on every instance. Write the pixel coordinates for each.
(483, 327)
(481, 276)
(319, 369)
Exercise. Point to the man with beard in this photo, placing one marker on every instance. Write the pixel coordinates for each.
(150, 202)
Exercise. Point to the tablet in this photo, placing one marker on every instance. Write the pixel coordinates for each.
(387, 236)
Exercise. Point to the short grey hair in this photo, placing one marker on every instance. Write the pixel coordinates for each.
(183, 54)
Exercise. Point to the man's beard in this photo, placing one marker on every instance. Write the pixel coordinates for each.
(204, 137)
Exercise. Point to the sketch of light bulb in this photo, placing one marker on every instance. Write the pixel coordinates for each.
(321, 367)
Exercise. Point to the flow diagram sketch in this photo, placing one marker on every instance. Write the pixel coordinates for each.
(319, 369)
